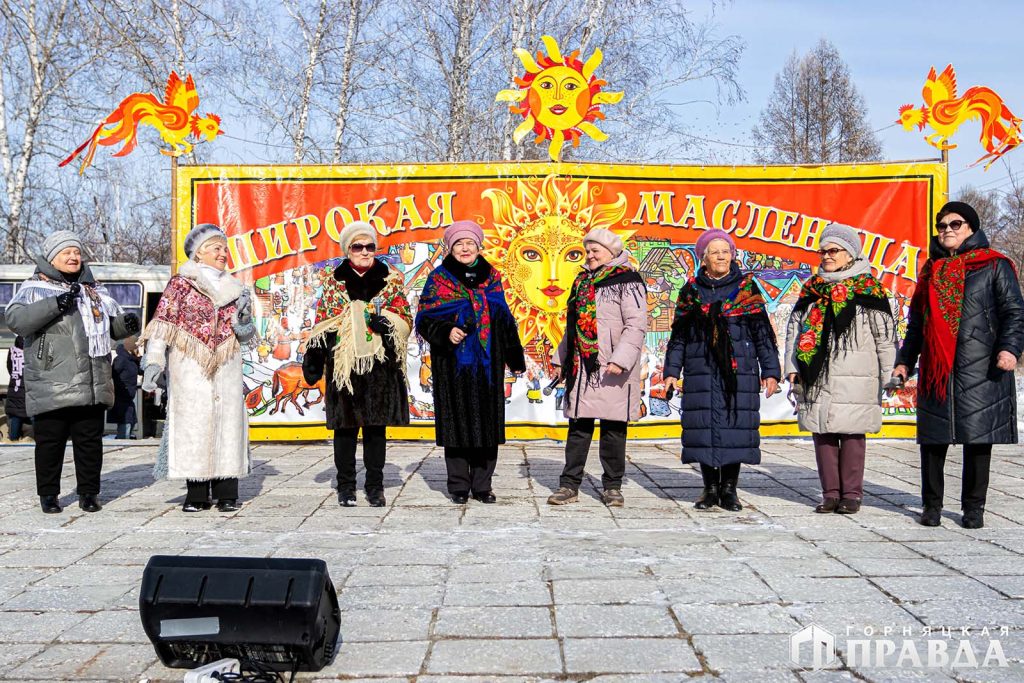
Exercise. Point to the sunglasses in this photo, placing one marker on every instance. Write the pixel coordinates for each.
(951, 226)
(356, 248)
(831, 253)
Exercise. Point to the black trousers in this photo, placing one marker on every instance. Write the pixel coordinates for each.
(612, 449)
(375, 446)
(84, 426)
(470, 470)
(977, 460)
(203, 490)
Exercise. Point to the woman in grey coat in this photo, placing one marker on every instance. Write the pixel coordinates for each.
(68, 321)
(840, 344)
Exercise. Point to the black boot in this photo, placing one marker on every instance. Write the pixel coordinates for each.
(89, 502)
(728, 500)
(375, 497)
(709, 498)
(50, 504)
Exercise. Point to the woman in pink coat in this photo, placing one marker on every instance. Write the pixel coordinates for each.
(600, 360)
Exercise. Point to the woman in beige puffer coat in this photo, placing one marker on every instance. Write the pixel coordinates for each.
(839, 348)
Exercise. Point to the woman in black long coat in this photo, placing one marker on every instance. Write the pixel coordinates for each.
(359, 343)
(967, 328)
(464, 317)
(722, 354)
(127, 367)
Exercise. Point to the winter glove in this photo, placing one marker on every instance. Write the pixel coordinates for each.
(313, 364)
(379, 324)
(151, 377)
(66, 301)
(241, 319)
(131, 323)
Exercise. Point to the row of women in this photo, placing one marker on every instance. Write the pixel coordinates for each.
(966, 329)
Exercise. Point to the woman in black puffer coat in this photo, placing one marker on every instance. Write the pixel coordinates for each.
(723, 353)
(967, 327)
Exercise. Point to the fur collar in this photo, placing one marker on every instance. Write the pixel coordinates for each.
(221, 293)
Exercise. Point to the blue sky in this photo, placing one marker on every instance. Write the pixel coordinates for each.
(889, 47)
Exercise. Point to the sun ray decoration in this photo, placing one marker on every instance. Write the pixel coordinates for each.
(559, 97)
(537, 242)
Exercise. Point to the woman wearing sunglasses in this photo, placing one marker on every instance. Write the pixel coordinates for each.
(966, 330)
(840, 344)
(464, 317)
(358, 341)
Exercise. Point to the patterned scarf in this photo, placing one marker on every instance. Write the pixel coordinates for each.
(474, 310)
(831, 310)
(358, 348)
(581, 323)
(939, 297)
(697, 321)
(94, 304)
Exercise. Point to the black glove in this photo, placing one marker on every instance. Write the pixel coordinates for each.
(379, 324)
(131, 323)
(313, 364)
(66, 301)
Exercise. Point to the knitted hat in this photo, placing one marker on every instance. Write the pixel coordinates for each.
(59, 241)
(199, 235)
(710, 236)
(461, 230)
(606, 238)
(843, 236)
(356, 229)
(962, 208)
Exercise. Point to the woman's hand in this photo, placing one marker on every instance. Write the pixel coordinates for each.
(1006, 361)
(769, 384)
(673, 384)
(901, 371)
(613, 369)
(456, 336)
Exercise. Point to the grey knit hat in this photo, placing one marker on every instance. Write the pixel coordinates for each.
(352, 231)
(199, 234)
(58, 241)
(606, 238)
(843, 236)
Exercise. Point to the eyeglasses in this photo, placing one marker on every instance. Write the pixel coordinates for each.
(356, 248)
(951, 226)
(831, 253)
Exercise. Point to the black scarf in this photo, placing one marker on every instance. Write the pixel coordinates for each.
(472, 275)
(362, 287)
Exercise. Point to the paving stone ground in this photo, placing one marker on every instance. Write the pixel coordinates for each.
(520, 591)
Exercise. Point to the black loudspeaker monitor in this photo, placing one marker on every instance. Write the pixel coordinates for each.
(281, 613)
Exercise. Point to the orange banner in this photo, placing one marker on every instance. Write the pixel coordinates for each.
(283, 223)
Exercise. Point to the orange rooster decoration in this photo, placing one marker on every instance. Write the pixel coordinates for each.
(945, 112)
(174, 118)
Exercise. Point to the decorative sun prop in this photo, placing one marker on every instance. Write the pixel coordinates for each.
(537, 242)
(560, 97)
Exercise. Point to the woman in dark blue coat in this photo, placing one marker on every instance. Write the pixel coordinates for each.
(724, 349)
(126, 370)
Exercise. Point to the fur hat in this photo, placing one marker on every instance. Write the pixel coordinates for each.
(353, 230)
(710, 236)
(843, 236)
(462, 230)
(198, 236)
(59, 241)
(962, 208)
(606, 238)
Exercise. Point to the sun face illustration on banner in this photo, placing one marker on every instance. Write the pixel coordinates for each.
(537, 242)
(175, 119)
(560, 97)
(945, 113)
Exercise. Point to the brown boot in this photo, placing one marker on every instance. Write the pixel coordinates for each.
(563, 496)
(848, 506)
(612, 498)
(827, 505)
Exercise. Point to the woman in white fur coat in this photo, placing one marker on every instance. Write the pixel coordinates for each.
(195, 337)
